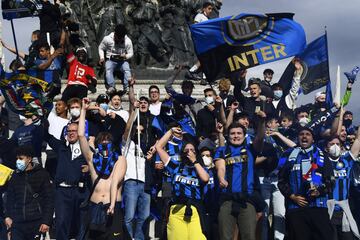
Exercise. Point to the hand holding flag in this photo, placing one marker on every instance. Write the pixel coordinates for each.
(352, 76)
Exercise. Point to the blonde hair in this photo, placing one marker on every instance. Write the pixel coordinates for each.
(224, 84)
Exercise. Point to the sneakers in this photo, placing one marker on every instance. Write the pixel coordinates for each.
(110, 90)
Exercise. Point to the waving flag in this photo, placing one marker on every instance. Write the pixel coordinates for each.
(235, 43)
(20, 8)
(315, 62)
(25, 94)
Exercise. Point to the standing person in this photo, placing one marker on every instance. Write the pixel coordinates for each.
(103, 162)
(30, 203)
(305, 181)
(69, 180)
(235, 164)
(136, 197)
(115, 105)
(50, 20)
(57, 119)
(338, 203)
(188, 180)
(154, 96)
(119, 49)
(52, 62)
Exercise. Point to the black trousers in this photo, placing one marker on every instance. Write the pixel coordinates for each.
(308, 224)
(336, 222)
(72, 91)
(25, 230)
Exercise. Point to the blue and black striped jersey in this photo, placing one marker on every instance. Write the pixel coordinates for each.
(342, 169)
(185, 180)
(239, 161)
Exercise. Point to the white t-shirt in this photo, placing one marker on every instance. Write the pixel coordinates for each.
(56, 125)
(135, 165)
(200, 17)
(155, 108)
(122, 113)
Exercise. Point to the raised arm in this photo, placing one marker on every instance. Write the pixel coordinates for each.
(164, 156)
(116, 181)
(11, 49)
(260, 132)
(284, 139)
(131, 94)
(84, 144)
(294, 91)
(46, 64)
(130, 122)
(230, 117)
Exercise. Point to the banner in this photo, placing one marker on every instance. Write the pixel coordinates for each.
(235, 43)
(20, 8)
(26, 94)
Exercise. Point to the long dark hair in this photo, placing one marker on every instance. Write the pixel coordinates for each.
(183, 156)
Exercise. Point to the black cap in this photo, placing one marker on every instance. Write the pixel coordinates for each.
(102, 98)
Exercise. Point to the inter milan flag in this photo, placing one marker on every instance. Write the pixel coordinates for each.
(20, 8)
(26, 93)
(315, 62)
(235, 43)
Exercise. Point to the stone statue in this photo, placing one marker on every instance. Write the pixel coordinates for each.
(159, 29)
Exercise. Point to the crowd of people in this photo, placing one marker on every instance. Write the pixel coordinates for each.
(243, 162)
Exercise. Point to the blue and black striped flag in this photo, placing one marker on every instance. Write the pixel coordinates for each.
(230, 44)
(315, 62)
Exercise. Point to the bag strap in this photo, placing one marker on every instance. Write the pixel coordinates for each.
(34, 195)
(93, 187)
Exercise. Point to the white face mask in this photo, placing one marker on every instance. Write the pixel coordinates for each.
(335, 150)
(209, 100)
(75, 112)
(303, 121)
(207, 161)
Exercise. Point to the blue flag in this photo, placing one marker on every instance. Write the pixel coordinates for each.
(329, 98)
(20, 8)
(315, 62)
(230, 44)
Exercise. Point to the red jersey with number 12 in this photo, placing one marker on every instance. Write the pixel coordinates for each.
(78, 71)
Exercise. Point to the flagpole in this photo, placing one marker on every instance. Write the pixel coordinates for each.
(327, 53)
(13, 31)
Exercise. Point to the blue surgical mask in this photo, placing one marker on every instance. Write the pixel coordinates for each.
(20, 165)
(278, 94)
(104, 106)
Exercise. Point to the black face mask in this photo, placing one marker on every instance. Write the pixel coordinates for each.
(347, 122)
(321, 105)
(223, 95)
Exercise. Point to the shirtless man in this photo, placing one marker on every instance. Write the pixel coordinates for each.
(103, 163)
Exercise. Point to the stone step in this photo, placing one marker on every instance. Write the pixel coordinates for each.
(143, 86)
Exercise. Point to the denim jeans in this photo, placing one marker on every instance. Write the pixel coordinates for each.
(111, 66)
(272, 195)
(136, 199)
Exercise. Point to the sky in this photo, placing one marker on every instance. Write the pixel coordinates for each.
(341, 18)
